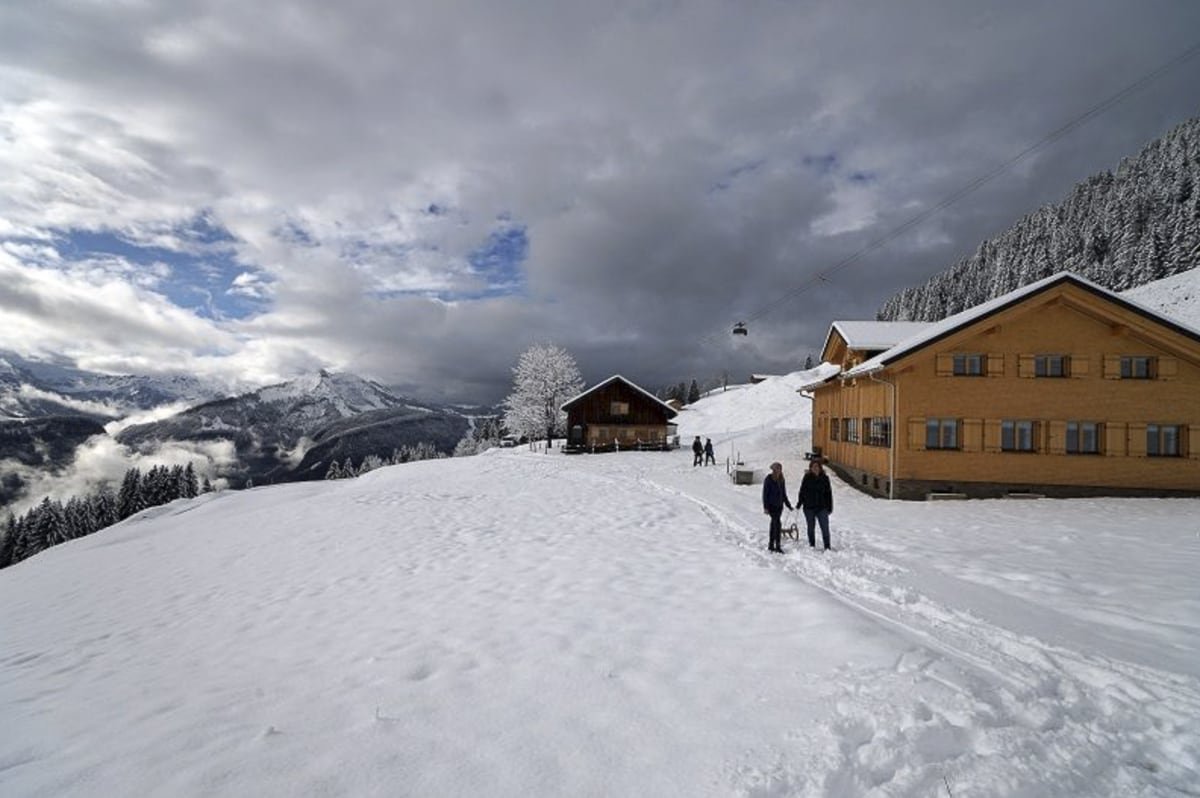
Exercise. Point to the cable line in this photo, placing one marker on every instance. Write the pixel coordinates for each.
(973, 185)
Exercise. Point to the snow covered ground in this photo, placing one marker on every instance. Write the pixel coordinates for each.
(528, 624)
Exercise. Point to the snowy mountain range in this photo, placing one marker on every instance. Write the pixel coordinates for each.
(1119, 229)
(295, 429)
(54, 415)
(39, 388)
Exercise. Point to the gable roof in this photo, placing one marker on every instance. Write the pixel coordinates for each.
(671, 412)
(873, 334)
(951, 324)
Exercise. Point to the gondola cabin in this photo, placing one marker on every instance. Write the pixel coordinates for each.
(617, 414)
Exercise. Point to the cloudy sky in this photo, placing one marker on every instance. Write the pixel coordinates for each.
(418, 191)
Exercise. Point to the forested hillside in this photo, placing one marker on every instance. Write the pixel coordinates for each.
(1121, 230)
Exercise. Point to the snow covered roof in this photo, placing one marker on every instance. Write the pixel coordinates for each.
(821, 374)
(671, 412)
(874, 334)
(952, 324)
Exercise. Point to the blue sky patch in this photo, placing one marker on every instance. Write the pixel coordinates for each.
(201, 273)
(499, 261)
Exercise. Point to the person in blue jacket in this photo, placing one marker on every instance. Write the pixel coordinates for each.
(816, 500)
(774, 499)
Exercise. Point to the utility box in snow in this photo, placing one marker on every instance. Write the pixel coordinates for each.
(743, 476)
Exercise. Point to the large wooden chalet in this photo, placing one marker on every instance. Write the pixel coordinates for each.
(617, 414)
(1060, 388)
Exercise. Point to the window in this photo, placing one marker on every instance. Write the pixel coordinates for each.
(851, 427)
(1016, 436)
(1083, 437)
(879, 431)
(1162, 440)
(968, 365)
(1137, 368)
(1051, 366)
(619, 408)
(941, 433)
(835, 425)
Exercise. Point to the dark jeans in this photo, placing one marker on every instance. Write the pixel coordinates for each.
(776, 530)
(697, 458)
(817, 515)
(708, 458)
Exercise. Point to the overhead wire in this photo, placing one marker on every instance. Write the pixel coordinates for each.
(968, 188)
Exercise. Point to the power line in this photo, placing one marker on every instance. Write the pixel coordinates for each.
(974, 185)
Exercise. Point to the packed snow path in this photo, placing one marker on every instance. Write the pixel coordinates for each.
(530, 624)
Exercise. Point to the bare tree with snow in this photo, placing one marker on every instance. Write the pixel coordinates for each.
(545, 376)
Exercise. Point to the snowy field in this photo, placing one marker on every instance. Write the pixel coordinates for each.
(520, 624)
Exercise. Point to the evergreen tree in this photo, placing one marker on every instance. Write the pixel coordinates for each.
(334, 471)
(8, 541)
(104, 508)
(52, 523)
(129, 497)
(27, 543)
(808, 363)
(189, 486)
(206, 486)
(693, 393)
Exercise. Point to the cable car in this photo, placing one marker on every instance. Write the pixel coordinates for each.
(740, 328)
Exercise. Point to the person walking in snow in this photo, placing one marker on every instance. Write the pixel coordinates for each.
(816, 500)
(697, 452)
(709, 457)
(774, 498)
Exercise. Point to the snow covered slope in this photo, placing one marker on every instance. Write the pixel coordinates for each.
(1177, 296)
(519, 624)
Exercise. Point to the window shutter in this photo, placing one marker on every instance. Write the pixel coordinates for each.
(916, 434)
(1080, 365)
(1137, 440)
(1114, 440)
(1026, 366)
(995, 365)
(991, 435)
(945, 365)
(1168, 368)
(1193, 441)
(1058, 437)
(972, 435)
(1112, 367)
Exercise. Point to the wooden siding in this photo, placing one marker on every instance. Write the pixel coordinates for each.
(1065, 320)
(646, 420)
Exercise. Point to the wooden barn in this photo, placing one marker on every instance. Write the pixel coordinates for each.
(617, 414)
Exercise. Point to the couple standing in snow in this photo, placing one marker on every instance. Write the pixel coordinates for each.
(815, 499)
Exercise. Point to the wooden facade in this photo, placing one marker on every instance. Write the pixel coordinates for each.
(1061, 389)
(617, 414)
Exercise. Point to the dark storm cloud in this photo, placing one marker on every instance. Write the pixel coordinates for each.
(673, 168)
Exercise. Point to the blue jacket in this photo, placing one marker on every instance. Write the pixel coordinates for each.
(775, 494)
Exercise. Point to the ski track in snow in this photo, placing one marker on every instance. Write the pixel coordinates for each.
(1092, 719)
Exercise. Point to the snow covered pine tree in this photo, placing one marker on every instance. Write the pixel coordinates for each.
(545, 376)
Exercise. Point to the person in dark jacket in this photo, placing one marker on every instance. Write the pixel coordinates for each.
(697, 452)
(816, 500)
(774, 499)
(709, 456)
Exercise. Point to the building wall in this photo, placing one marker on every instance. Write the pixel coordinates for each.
(1068, 321)
(645, 421)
